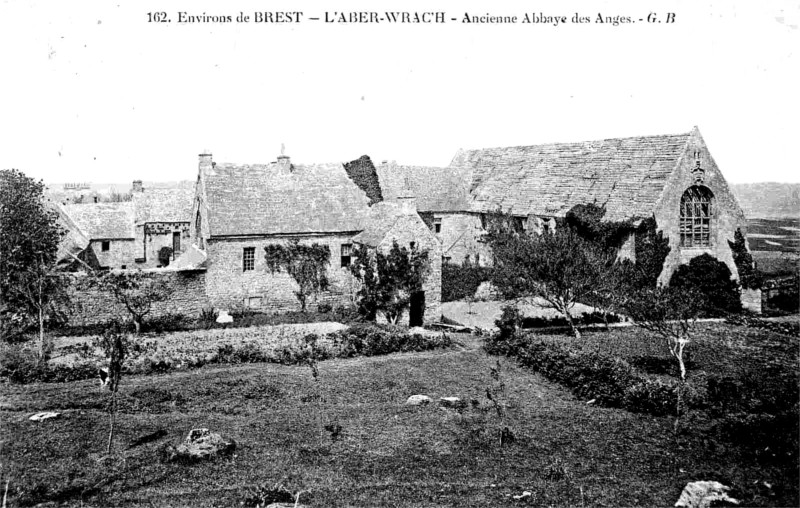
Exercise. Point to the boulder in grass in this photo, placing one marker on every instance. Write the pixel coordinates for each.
(452, 402)
(703, 494)
(44, 415)
(200, 444)
(418, 400)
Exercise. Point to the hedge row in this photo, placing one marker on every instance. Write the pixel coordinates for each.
(19, 364)
(791, 328)
(609, 380)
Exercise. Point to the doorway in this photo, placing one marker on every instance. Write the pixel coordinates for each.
(416, 312)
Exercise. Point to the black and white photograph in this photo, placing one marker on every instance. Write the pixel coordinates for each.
(399, 253)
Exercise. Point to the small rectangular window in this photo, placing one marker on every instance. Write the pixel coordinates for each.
(437, 225)
(347, 254)
(176, 244)
(249, 259)
(254, 302)
(105, 245)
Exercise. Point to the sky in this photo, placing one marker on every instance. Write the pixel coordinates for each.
(91, 91)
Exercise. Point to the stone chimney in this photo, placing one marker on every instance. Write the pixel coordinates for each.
(137, 186)
(284, 163)
(407, 199)
(206, 162)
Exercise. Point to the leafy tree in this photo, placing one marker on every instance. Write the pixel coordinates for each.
(29, 237)
(713, 279)
(388, 280)
(306, 264)
(749, 276)
(136, 291)
(560, 268)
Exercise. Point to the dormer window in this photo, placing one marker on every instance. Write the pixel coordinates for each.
(437, 225)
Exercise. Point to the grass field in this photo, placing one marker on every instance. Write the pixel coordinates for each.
(777, 235)
(566, 453)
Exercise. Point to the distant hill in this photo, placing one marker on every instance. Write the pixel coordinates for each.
(768, 200)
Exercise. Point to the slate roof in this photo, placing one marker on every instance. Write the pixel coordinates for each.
(74, 240)
(628, 175)
(192, 259)
(436, 189)
(378, 222)
(268, 199)
(163, 205)
(106, 221)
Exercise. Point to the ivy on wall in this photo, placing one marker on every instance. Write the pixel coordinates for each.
(587, 221)
(749, 276)
(306, 264)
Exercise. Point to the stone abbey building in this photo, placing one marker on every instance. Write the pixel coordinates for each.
(236, 210)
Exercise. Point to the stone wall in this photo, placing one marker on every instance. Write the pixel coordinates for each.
(158, 235)
(90, 305)
(410, 228)
(119, 254)
(229, 287)
(727, 215)
(751, 300)
(460, 237)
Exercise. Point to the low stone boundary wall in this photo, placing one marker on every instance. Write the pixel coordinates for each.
(90, 305)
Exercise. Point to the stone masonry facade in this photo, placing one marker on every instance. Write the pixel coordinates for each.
(410, 228)
(727, 215)
(229, 286)
(90, 305)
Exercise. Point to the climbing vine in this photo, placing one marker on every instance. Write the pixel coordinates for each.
(306, 264)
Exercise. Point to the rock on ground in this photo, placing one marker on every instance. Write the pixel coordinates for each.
(418, 400)
(702, 494)
(451, 402)
(200, 444)
(45, 415)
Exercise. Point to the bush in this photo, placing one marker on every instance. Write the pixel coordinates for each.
(712, 279)
(509, 323)
(609, 380)
(324, 308)
(461, 281)
(170, 322)
(369, 339)
(19, 364)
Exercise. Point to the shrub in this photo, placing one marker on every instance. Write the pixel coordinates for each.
(712, 279)
(171, 322)
(369, 339)
(461, 281)
(609, 380)
(244, 353)
(19, 364)
(509, 323)
(324, 308)
(208, 317)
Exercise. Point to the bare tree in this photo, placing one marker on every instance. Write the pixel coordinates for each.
(136, 291)
(114, 346)
(671, 314)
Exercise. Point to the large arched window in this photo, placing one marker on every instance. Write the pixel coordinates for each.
(697, 210)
